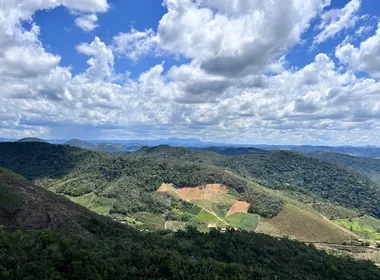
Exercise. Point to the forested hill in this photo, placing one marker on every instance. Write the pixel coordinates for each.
(133, 177)
(364, 165)
(104, 249)
(42, 160)
(288, 170)
(122, 185)
(232, 151)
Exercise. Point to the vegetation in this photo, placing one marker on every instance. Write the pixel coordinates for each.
(30, 139)
(116, 253)
(334, 212)
(263, 204)
(125, 185)
(102, 249)
(209, 218)
(365, 226)
(288, 171)
(232, 151)
(243, 221)
(367, 166)
(304, 225)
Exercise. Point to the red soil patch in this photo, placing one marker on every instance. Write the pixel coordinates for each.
(238, 207)
(202, 192)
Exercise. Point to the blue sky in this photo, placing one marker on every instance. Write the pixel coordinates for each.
(238, 71)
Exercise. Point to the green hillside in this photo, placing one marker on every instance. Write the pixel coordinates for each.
(288, 171)
(31, 139)
(232, 151)
(369, 167)
(102, 249)
(125, 187)
(81, 144)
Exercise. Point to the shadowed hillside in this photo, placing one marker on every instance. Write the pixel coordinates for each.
(26, 206)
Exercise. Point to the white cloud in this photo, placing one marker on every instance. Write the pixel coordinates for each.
(21, 52)
(234, 38)
(101, 61)
(134, 44)
(335, 20)
(87, 22)
(220, 94)
(364, 58)
(229, 38)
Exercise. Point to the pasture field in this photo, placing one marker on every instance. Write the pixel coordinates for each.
(207, 217)
(303, 225)
(93, 202)
(150, 221)
(244, 221)
(366, 226)
(175, 225)
(195, 210)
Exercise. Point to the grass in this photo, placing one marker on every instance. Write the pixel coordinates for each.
(233, 192)
(94, 203)
(203, 203)
(221, 209)
(150, 221)
(301, 224)
(195, 210)
(207, 217)
(366, 227)
(244, 221)
(175, 225)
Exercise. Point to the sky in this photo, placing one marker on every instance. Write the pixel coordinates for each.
(233, 71)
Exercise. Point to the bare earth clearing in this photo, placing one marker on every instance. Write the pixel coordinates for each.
(238, 207)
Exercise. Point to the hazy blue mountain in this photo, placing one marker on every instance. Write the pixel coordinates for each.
(31, 139)
(363, 151)
(232, 151)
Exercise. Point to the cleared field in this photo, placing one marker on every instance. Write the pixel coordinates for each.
(367, 227)
(150, 221)
(238, 207)
(204, 203)
(94, 203)
(303, 225)
(207, 217)
(175, 225)
(195, 210)
(214, 192)
(244, 221)
(168, 188)
(211, 203)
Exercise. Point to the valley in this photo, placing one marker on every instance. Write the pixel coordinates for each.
(164, 188)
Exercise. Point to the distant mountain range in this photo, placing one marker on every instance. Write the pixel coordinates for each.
(122, 146)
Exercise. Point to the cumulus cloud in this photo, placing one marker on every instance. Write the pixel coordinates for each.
(364, 58)
(234, 38)
(101, 61)
(134, 44)
(87, 22)
(335, 20)
(227, 38)
(223, 93)
(21, 52)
